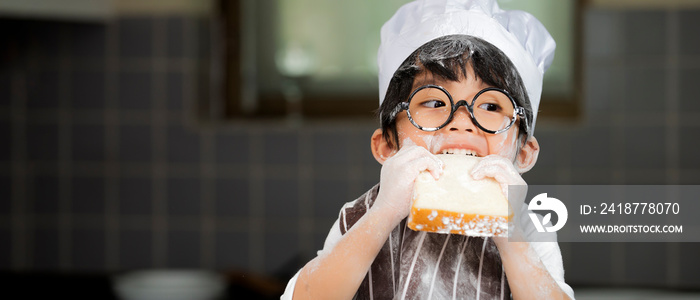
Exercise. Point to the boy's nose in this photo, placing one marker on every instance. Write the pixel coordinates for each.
(462, 121)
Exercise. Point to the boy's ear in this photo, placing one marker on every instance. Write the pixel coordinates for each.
(527, 155)
(381, 149)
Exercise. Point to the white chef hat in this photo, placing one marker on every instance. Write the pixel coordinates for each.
(525, 41)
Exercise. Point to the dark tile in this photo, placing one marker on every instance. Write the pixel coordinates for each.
(689, 119)
(42, 141)
(281, 147)
(330, 147)
(5, 193)
(281, 252)
(135, 90)
(603, 33)
(329, 196)
(232, 251)
(5, 141)
(690, 261)
(88, 142)
(232, 147)
(232, 197)
(367, 158)
(688, 90)
(689, 177)
(688, 148)
(88, 249)
(12, 40)
(203, 32)
(357, 187)
(599, 176)
(688, 31)
(135, 249)
(602, 92)
(45, 249)
(88, 88)
(88, 40)
(593, 264)
(645, 90)
(688, 204)
(175, 96)
(6, 249)
(645, 32)
(645, 177)
(183, 145)
(45, 42)
(184, 196)
(329, 171)
(135, 37)
(175, 36)
(367, 184)
(541, 175)
(320, 238)
(550, 150)
(202, 87)
(184, 249)
(591, 148)
(44, 193)
(640, 269)
(281, 198)
(135, 196)
(5, 88)
(135, 143)
(645, 147)
(43, 89)
(88, 195)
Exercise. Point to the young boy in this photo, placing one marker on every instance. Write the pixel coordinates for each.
(434, 54)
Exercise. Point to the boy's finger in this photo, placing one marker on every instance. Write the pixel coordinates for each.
(408, 153)
(499, 168)
(428, 163)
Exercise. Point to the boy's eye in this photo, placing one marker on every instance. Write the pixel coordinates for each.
(433, 103)
(490, 106)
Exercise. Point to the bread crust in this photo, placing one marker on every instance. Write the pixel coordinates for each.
(441, 221)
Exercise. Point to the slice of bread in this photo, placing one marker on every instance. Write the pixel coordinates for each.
(456, 203)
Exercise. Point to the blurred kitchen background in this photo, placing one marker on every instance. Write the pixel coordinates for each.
(218, 135)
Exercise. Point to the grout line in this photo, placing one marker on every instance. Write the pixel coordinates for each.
(673, 265)
(618, 151)
(140, 222)
(112, 133)
(256, 242)
(617, 135)
(356, 166)
(20, 235)
(208, 195)
(190, 67)
(159, 143)
(64, 155)
(185, 170)
(306, 191)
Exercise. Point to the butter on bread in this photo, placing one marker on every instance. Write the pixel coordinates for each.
(456, 203)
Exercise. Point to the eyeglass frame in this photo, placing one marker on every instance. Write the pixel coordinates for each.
(517, 109)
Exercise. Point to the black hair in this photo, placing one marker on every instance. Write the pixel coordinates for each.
(448, 58)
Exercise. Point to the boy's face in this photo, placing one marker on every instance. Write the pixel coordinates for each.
(461, 135)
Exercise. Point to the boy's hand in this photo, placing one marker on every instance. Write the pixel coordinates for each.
(500, 169)
(398, 175)
(504, 172)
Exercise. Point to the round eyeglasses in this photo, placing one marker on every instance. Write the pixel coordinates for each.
(431, 107)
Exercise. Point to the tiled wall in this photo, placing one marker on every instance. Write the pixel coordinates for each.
(105, 166)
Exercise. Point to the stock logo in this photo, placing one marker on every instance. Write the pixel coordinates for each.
(543, 203)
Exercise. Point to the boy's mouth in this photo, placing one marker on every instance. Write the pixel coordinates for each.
(460, 151)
